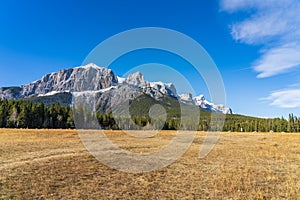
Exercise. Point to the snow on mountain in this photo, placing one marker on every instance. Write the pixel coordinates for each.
(203, 103)
(91, 92)
(164, 88)
(50, 93)
(88, 66)
(186, 98)
(121, 80)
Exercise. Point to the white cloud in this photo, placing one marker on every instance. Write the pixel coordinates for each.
(259, 29)
(277, 60)
(275, 24)
(288, 98)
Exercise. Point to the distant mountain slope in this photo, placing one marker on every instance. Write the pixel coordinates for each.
(103, 86)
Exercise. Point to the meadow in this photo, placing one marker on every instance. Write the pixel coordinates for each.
(53, 164)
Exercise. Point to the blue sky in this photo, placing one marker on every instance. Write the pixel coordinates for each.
(255, 44)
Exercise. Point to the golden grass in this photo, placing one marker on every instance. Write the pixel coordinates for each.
(53, 164)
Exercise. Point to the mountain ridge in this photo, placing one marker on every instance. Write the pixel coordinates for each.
(109, 89)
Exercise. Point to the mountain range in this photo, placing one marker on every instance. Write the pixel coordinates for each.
(108, 89)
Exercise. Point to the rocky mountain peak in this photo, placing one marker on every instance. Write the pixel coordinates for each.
(188, 97)
(136, 79)
(83, 78)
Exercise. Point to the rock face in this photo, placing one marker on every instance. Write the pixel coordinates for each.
(136, 79)
(86, 78)
(154, 89)
(10, 92)
(103, 87)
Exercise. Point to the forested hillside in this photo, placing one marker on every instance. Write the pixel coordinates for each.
(27, 114)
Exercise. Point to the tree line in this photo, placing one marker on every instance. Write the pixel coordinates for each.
(26, 114)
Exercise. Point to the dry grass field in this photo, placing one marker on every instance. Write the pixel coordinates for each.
(53, 164)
